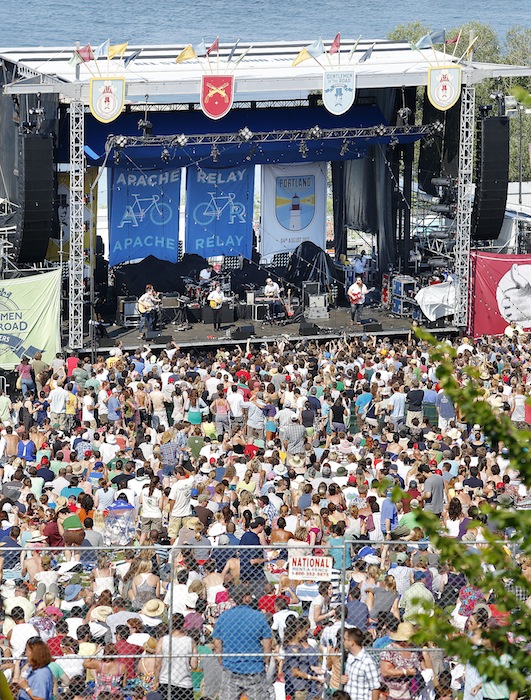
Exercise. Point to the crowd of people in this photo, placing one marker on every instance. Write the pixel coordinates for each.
(223, 465)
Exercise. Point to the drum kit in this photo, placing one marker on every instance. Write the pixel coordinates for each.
(198, 292)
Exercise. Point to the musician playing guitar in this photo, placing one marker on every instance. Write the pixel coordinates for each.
(216, 299)
(356, 294)
(146, 307)
(272, 292)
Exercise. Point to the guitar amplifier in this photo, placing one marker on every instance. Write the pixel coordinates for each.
(317, 301)
(227, 314)
(260, 311)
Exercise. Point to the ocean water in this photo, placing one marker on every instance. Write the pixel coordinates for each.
(144, 22)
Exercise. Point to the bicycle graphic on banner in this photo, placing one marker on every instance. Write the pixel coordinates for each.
(206, 212)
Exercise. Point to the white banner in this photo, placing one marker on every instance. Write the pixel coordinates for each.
(30, 318)
(293, 207)
(310, 567)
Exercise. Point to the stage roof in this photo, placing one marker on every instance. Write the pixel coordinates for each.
(264, 74)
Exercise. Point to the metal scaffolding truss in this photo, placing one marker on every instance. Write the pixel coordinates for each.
(77, 172)
(246, 135)
(465, 201)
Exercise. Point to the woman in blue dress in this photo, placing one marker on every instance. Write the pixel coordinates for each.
(35, 679)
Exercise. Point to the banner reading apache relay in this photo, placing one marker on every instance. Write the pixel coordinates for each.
(501, 292)
(219, 211)
(144, 214)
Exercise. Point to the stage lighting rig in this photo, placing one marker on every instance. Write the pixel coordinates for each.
(146, 127)
(246, 134)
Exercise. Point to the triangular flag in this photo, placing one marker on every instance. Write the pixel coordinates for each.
(213, 47)
(452, 41)
(353, 49)
(86, 53)
(233, 51)
(311, 51)
(186, 54)
(132, 57)
(102, 50)
(243, 55)
(438, 37)
(424, 42)
(303, 55)
(336, 44)
(366, 55)
(200, 49)
(316, 48)
(117, 50)
(413, 46)
(75, 60)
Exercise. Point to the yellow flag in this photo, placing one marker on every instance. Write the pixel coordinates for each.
(186, 54)
(303, 55)
(117, 50)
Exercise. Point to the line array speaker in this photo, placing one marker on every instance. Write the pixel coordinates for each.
(492, 178)
(37, 197)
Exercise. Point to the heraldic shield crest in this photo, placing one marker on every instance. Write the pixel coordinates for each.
(339, 90)
(107, 97)
(444, 86)
(217, 95)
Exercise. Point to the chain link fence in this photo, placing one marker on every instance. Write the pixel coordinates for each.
(209, 618)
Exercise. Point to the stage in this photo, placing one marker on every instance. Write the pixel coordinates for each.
(377, 321)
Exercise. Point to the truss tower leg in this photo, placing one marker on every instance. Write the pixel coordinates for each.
(77, 172)
(465, 200)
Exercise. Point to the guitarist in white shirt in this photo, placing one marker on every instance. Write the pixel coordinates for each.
(216, 299)
(356, 294)
(272, 292)
(146, 307)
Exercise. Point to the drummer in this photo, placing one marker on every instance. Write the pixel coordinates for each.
(206, 274)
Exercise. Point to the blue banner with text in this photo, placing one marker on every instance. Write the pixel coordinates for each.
(144, 214)
(219, 211)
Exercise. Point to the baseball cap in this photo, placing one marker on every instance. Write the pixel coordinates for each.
(401, 558)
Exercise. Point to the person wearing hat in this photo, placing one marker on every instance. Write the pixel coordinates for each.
(398, 666)
(293, 438)
(244, 672)
(147, 666)
(417, 600)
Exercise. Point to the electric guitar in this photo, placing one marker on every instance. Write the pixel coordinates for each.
(358, 296)
(288, 306)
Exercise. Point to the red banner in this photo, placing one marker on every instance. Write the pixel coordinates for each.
(217, 94)
(501, 292)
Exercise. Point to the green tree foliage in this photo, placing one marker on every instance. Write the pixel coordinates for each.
(493, 568)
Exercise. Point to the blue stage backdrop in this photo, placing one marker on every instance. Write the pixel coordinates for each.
(144, 214)
(219, 211)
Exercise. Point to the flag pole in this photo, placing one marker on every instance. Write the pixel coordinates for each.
(457, 42)
(353, 49)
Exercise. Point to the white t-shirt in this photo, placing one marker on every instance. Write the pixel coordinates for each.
(87, 411)
(180, 493)
(19, 637)
(102, 406)
(235, 400)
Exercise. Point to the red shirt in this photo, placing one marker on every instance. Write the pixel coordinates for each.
(267, 602)
(54, 645)
(51, 532)
(71, 364)
(250, 450)
(410, 495)
(126, 649)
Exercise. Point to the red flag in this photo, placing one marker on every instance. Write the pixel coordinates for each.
(213, 47)
(335, 44)
(86, 53)
(452, 41)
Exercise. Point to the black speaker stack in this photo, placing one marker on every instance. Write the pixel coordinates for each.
(492, 177)
(36, 194)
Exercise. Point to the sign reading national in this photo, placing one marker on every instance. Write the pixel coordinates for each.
(310, 567)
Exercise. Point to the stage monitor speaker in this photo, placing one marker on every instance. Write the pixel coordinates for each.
(308, 329)
(492, 178)
(37, 186)
(371, 326)
(227, 314)
(242, 333)
(159, 337)
(107, 342)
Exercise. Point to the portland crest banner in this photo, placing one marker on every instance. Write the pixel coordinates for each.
(219, 211)
(144, 214)
(293, 207)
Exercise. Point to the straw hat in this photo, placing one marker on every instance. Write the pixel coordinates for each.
(403, 633)
(77, 469)
(100, 613)
(150, 646)
(153, 608)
